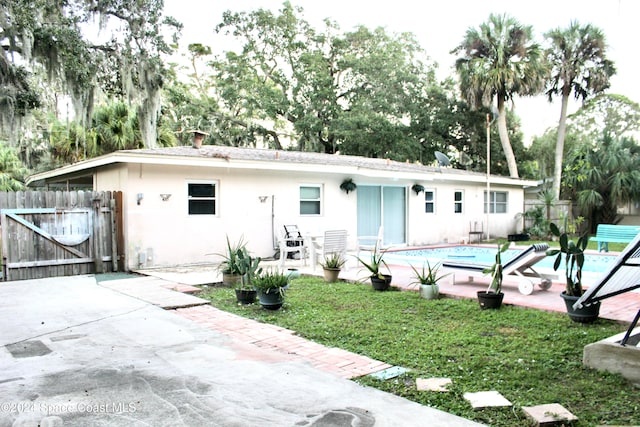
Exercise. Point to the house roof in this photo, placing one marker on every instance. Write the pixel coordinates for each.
(267, 159)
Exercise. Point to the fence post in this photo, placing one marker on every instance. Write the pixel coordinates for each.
(97, 241)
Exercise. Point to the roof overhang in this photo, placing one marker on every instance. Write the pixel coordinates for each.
(87, 168)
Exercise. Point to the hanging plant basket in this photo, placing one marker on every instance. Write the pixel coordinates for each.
(417, 188)
(348, 185)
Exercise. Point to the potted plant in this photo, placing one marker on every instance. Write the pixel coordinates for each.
(348, 185)
(230, 267)
(332, 265)
(249, 269)
(428, 279)
(493, 296)
(573, 254)
(379, 281)
(271, 286)
(417, 188)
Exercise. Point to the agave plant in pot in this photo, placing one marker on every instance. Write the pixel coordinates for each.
(493, 296)
(428, 279)
(573, 255)
(332, 265)
(271, 286)
(379, 280)
(230, 267)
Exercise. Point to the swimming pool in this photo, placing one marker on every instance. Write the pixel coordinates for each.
(593, 263)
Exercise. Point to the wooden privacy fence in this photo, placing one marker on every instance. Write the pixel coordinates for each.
(60, 233)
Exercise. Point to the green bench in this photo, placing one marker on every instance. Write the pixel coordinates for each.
(606, 233)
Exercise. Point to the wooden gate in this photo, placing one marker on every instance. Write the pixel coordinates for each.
(60, 233)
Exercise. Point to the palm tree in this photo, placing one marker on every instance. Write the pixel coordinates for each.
(500, 60)
(115, 126)
(577, 56)
(603, 176)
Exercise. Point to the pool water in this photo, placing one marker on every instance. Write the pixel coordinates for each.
(593, 263)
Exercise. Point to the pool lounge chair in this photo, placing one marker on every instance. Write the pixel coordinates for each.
(520, 267)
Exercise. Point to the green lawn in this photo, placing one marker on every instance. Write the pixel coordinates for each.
(531, 357)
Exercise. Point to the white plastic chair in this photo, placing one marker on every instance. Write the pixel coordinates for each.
(334, 241)
(370, 243)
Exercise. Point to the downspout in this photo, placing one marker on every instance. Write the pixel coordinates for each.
(273, 223)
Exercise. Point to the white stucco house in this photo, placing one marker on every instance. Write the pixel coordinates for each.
(180, 203)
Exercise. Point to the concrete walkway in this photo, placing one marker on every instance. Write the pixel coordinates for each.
(158, 292)
(77, 353)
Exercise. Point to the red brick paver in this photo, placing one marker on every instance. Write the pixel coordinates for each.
(283, 341)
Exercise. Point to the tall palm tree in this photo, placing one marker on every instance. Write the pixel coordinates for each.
(501, 60)
(579, 64)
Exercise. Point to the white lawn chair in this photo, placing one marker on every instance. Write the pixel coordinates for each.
(334, 241)
(519, 267)
(371, 243)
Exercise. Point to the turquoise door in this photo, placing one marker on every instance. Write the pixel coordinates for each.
(382, 205)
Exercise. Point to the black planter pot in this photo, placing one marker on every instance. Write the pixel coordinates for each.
(586, 314)
(490, 300)
(271, 299)
(379, 284)
(246, 296)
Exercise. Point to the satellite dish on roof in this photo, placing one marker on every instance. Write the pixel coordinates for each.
(442, 158)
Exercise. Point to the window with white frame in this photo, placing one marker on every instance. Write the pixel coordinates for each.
(458, 196)
(498, 201)
(202, 198)
(430, 201)
(310, 199)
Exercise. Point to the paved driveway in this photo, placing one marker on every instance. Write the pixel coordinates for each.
(75, 353)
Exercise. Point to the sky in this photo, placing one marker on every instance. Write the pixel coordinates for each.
(440, 26)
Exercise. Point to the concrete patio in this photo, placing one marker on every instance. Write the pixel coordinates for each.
(77, 353)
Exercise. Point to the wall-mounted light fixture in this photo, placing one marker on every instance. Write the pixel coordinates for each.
(165, 197)
(263, 198)
(139, 197)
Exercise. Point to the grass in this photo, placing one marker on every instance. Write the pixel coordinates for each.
(531, 357)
